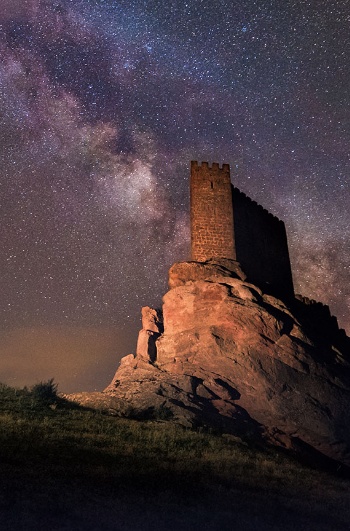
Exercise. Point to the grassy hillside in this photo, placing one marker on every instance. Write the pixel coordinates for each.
(66, 468)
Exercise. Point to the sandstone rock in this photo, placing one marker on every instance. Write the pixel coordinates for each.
(211, 270)
(152, 327)
(146, 345)
(152, 319)
(234, 358)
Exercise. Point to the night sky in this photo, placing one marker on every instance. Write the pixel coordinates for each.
(103, 104)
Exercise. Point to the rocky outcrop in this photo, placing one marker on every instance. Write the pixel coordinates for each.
(234, 358)
(211, 271)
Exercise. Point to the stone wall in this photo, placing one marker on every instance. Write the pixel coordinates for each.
(211, 212)
(225, 223)
(317, 317)
(261, 246)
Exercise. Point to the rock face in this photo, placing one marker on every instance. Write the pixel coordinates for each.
(234, 358)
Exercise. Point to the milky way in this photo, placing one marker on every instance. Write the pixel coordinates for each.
(103, 104)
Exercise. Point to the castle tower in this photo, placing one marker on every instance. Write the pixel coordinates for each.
(225, 223)
(211, 212)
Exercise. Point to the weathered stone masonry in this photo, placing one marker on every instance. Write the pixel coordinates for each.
(225, 223)
(211, 212)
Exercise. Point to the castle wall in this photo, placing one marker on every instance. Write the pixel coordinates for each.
(225, 223)
(211, 212)
(261, 246)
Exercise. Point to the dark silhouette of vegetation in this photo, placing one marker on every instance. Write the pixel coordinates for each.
(45, 393)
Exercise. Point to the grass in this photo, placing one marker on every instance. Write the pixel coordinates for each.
(63, 467)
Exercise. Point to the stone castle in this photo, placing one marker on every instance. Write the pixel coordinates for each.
(232, 348)
(225, 223)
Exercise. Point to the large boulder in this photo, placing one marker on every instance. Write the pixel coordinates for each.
(234, 358)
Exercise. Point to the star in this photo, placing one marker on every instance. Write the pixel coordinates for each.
(104, 104)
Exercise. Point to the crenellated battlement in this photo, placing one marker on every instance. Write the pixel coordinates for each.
(320, 312)
(258, 207)
(318, 319)
(226, 223)
(215, 167)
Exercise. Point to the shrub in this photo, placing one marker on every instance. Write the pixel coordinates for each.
(45, 393)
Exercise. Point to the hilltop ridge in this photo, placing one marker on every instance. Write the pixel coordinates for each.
(225, 355)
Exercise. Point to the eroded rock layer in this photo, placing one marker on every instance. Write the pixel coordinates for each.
(231, 357)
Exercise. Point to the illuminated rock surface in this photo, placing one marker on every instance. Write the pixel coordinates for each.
(235, 359)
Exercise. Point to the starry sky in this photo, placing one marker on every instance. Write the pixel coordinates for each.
(103, 103)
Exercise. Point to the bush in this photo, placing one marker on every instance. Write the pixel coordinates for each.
(45, 393)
